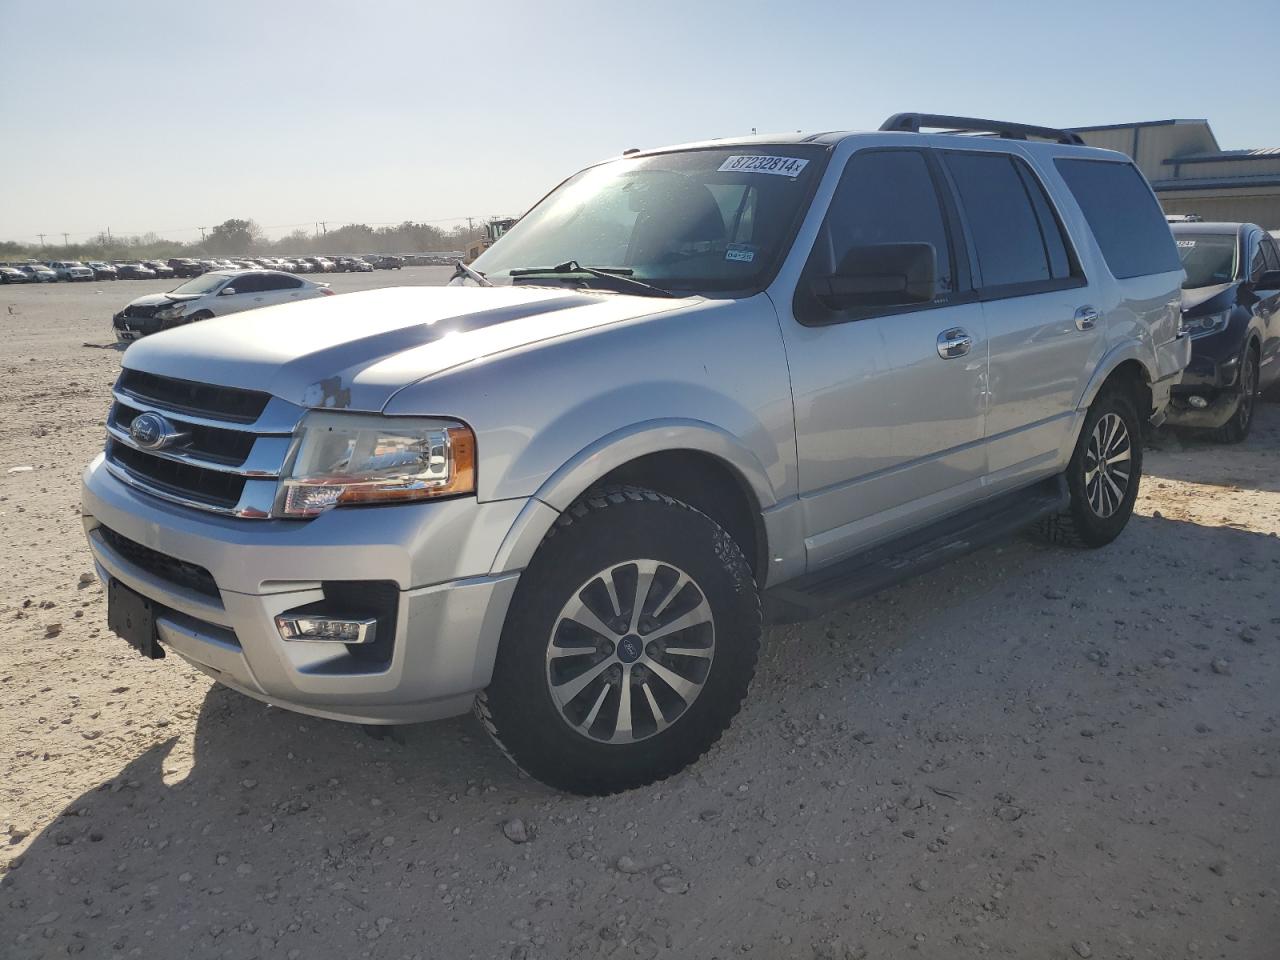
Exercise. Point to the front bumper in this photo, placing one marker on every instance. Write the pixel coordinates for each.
(449, 604)
(1217, 382)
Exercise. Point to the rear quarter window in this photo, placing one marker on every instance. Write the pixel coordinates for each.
(1123, 214)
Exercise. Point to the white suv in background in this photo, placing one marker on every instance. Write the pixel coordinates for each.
(213, 294)
(71, 270)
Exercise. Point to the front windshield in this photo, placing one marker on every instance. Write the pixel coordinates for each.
(205, 283)
(697, 220)
(1208, 258)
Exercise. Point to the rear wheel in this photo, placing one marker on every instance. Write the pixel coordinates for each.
(1103, 474)
(1237, 428)
(629, 646)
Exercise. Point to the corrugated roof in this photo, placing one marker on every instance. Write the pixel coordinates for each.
(1130, 126)
(1216, 183)
(1217, 156)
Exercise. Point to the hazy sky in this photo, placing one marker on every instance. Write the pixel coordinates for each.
(165, 116)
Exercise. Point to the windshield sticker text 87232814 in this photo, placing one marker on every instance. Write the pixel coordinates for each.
(782, 166)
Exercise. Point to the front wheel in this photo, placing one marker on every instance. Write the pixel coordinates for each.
(629, 646)
(1103, 474)
(1236, 429)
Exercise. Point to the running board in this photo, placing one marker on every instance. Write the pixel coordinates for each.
(866, 573)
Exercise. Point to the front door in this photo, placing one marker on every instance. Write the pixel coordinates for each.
(889, 401)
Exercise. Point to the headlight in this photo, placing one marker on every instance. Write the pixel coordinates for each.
(342, 459)
(1202, 326)
(171, 313)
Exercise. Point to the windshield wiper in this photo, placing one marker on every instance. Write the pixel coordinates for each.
(460, 269)
(619, 274)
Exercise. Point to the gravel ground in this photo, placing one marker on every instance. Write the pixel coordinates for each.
(1031, 753)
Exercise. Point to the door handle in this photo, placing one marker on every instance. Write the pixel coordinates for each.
(1086, 318)
(953, 343)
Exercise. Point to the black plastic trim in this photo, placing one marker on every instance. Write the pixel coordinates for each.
(912, 122)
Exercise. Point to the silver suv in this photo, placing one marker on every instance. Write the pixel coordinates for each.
(693, 389)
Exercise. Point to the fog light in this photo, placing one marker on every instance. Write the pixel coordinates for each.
(310, 627)
(1197, 401)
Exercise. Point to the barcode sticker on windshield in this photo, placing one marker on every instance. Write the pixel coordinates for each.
(1186, 243)
(782, 166)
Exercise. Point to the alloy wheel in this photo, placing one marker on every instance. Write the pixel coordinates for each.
(1107, 467)
(630, 651)
(1248, 391)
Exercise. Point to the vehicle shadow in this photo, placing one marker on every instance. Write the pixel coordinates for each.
(1195, 457)
(167, 832)
(260, 832)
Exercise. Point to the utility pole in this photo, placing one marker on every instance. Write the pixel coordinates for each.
(65, 241)
(41, 236)
(324, 227)
(201, 234)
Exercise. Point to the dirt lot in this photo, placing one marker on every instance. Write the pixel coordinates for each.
(1032, 753)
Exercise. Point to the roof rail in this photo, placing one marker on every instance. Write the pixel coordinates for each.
(912, 122)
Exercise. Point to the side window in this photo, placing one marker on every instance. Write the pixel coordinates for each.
(271, 282)
(1258, 265)
(1123, 214)
(1273, 253)
(1010, 246)
(886, 196)
(246, 283)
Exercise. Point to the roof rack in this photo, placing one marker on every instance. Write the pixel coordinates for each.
(912, 122)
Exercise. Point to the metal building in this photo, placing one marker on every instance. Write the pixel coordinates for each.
(1192, 174)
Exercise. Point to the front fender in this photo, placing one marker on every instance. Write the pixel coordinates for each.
(598, 459)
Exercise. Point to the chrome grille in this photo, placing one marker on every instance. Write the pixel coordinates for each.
(235, 443)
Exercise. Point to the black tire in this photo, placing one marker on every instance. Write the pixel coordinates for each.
(1085, 523)
(200, 315)
(605, 531)
(1236, 429)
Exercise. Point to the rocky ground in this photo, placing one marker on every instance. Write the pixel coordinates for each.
(1031, 753)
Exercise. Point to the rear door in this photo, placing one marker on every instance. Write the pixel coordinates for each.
(279, 288)
(1044, 332)
(888, 431)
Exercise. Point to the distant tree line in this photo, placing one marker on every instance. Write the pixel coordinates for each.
(244, 238)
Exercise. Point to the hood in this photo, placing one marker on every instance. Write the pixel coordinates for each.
(1212, 299)
(159, 299)
(357, 350)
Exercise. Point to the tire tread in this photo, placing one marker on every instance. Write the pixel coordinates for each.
(599, 499)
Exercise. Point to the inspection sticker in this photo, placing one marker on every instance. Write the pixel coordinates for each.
(782, 166)
(740, 252)
(1186, 243)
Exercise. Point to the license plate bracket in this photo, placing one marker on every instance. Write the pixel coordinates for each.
(132, 617)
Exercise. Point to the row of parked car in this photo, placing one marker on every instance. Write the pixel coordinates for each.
(51, 271)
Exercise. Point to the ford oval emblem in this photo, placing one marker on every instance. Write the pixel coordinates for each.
(153, 432)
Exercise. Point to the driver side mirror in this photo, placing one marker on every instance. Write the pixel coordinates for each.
(880, 275)
(227, 292)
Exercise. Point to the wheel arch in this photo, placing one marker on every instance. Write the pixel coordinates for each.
(692, 461)
(1124, 364)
